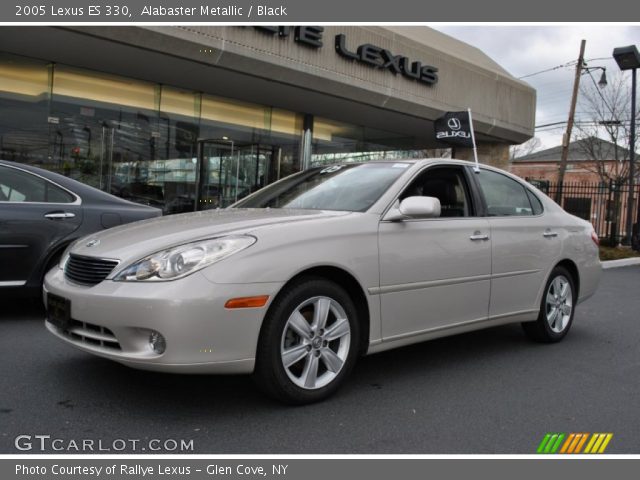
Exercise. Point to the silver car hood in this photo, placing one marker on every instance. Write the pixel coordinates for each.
(136, 240)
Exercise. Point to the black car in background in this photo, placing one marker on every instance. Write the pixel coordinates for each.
(41, 213)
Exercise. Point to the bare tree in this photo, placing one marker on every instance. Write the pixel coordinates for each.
(603, 134)
(606, 116)
(525, 148)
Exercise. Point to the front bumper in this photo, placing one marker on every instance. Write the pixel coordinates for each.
(115, 319)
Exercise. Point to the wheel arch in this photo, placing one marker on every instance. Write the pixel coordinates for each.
(347, 281)
(49, 261)
(572, 268)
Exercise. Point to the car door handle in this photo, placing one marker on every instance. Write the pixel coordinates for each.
(549, 234)
(478, 236)
(59, 215)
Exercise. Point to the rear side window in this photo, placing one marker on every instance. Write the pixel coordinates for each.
(536, 204)
(22, 187)
(504, 196)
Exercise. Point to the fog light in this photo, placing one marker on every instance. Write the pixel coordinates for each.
(157, 343)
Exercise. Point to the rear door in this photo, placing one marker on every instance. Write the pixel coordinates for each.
(525, 244)
(35, 215)
(435, 273)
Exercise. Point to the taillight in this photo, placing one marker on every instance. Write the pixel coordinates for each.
(594, 237)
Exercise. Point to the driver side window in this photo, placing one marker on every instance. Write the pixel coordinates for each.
(448, 185)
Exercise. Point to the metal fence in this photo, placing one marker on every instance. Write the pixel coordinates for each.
(602, 204)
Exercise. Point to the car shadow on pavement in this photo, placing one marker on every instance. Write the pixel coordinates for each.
(57, 388)
(103, 381)
(22, 308)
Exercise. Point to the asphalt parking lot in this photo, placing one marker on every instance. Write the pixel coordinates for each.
(485, 392)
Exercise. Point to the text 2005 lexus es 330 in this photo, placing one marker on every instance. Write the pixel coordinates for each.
(298, 280)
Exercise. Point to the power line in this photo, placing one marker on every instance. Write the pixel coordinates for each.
(557, 67)
(600, 93)
(550, 124)
(593, 123)
(564, 65)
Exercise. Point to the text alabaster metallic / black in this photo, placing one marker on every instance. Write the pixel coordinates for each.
(160, 11)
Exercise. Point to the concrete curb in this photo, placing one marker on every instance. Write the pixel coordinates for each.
(624, 262)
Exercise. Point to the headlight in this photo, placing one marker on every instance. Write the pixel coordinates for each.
(182, 260)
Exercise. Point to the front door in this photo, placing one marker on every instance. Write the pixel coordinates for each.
(435, 273)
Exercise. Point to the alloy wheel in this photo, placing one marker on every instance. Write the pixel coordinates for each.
(559, 303)
(315, 342)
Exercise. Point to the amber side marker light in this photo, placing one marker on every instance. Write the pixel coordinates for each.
(247, 302)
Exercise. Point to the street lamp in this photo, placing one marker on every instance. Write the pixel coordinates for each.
(628, 58)
(603, 78)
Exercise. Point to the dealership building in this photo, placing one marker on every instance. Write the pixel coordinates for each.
(194, 117)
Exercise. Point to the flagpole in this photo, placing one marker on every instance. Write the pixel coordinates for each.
(473, 139)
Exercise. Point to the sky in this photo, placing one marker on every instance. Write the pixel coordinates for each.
(523, 50)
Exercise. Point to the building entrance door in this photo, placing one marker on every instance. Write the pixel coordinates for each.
(124, 169)
(228, 172)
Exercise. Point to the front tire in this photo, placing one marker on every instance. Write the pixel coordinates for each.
(557, 308)
(309, 342)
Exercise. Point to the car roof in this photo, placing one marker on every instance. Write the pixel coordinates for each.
(84, 191)
(420, 162)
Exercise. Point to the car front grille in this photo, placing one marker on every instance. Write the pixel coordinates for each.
(88, 270)
(90, 334)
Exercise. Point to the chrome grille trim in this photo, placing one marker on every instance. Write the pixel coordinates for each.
(88, 270)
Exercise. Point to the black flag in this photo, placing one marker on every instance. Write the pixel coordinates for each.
(454, 128)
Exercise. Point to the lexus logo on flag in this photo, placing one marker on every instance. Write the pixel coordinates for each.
(454, 128)
(454, 124)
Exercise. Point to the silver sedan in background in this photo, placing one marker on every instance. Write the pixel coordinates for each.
(298, 280)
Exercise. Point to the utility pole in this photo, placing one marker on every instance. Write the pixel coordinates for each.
(572, 111)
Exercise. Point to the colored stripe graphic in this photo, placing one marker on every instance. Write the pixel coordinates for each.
(598, 443)
(543, 443)
(565, 447)
(573, 443)
(556, 445)
(550, 443)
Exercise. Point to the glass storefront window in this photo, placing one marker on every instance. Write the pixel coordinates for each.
(24, 103)
(174, 168)
(246, 146)
(285, 122)
(335, 141)
(103, 133)
(103, 89)
(242, 116)
(164, 146)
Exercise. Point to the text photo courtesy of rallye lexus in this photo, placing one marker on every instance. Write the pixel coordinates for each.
(299, 279)
(41, 213)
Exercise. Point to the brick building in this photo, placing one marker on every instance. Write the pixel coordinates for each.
(581, 166)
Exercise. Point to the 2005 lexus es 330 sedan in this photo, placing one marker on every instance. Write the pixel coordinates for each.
(298, 280)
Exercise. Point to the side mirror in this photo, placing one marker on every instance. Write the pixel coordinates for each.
(414, 207)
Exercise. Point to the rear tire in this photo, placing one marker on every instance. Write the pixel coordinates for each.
(309, 342)
(557, 308)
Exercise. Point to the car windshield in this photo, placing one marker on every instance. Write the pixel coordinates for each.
(351, 187)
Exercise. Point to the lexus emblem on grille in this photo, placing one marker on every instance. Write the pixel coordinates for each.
(92, 243)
